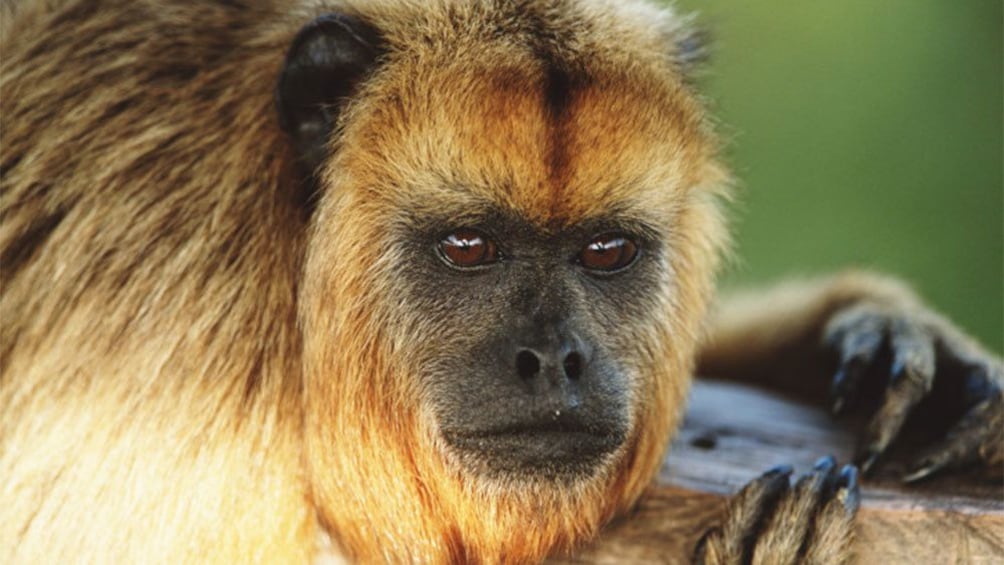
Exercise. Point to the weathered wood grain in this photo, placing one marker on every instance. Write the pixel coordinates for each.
(733, 433)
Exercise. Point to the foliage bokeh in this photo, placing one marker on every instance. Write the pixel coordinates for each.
(866, 134)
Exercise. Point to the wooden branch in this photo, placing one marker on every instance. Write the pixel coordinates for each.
(733, 433)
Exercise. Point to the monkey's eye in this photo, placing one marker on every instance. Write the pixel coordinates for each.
(468, 248)
(608, 252)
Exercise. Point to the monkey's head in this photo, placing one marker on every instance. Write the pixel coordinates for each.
(510, 255)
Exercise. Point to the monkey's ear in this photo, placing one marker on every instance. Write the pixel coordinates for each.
(328, 59)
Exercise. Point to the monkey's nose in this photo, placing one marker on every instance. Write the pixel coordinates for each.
(529, 364)
(550, 365)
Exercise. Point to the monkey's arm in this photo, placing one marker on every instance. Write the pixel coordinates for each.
(860, 335)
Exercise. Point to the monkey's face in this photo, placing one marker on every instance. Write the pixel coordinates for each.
(529, 374)
(505, 279)
(523, 262)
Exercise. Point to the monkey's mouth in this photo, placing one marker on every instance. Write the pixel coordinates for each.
(551, 449)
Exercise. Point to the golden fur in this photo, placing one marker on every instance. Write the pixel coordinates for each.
(195, 372)
(195, 366)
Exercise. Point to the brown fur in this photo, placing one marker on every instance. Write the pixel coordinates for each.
(194, 366)
(149, 282)
(191, 372)
(773, 336)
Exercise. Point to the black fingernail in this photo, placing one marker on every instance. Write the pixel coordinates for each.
(838, 406)
(840, 378)
(839, 384)
(825, 463)
(838, 391)
(780, 470)
(897, 370)
(978, 386)
(867, 459)
(849, 478)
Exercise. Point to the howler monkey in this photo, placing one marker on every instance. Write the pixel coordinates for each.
(426, 279)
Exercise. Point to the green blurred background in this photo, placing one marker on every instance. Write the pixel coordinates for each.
(866, 133)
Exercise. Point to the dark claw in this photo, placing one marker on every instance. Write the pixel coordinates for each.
(769, 487)
(838, 406)
(824, 476)
(848, 476)
(821, 479)
(913, 353)
(921, 471)
(824, 464)
(844, 384)
(897, 370)
(979, 386)
(772, 486)
(849, 479)
(838, 391)
(866, 459)
(779, 470)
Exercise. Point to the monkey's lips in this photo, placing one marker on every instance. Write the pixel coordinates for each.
(533, 449)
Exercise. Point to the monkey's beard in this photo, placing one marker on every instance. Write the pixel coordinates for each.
(385, 498)
(533, 513)
(389, 488)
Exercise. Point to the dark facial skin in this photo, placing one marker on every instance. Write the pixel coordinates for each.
(531, 385)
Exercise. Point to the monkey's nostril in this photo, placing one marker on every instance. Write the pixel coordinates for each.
(527, 364)
(573, 365)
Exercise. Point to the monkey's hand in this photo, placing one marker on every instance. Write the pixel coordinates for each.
(769, 521)
(916, 361)
(893, 355)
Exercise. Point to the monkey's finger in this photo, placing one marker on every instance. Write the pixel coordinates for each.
(857, 336)
(845, 383)
(733, 541)
(833, 528)
(983, 374)
(911, 379)
(786, 530)
(978, 437)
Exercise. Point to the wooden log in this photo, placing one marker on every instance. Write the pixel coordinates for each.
(732, 433)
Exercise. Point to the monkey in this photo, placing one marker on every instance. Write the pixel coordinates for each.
(409, 282)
